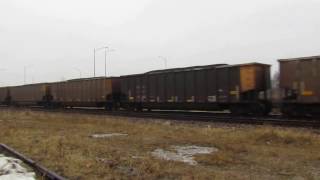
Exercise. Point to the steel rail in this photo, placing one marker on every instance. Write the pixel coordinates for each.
(44, 172)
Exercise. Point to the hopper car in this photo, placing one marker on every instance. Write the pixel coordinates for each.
(29, 95)
(4, 95)
(300, 85)
(87, 92)
(239, 88)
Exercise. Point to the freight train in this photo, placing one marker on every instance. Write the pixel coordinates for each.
(241, 89)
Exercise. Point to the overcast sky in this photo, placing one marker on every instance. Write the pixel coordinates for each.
(55, 39)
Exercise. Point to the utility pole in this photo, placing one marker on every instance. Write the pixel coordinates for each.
(105, 61)
(165, 61)
(94, 62)
(106, 49)
(24, 74)
(25, 68)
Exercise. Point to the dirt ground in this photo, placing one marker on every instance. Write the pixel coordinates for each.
(81, 146)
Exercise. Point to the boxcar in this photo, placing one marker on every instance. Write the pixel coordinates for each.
(32, 94)
(299, 81)
(212, 87)
(90, 92)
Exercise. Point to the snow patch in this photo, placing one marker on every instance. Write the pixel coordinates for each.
(107, 135)
(183, 153)
(11, 169)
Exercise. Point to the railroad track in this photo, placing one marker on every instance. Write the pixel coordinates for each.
(223, 118)
(194, 117)
(40, 170)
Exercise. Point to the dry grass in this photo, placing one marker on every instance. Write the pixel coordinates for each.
(61, 142)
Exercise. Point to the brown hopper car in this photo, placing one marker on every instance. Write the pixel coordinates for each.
(32, 94)
(3, 95)
(90, 92)
(299, 81)
(213, 87)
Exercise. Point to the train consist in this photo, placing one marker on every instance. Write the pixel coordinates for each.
(242, 89)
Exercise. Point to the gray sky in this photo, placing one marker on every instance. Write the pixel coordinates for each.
(54, 38)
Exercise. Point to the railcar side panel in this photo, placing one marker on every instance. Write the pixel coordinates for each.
(201, 86)
(234, 84)
(84, 92)
(138, 85)
(223, 85)
(298, 80)
(190, 86)
(32, 94)
(144, 88)
(3, 94)
(161, 95)
(125, 88)
(212, 83)
(289, 77)
(153, 87)
(308, 86)
(170, 87)
(180, 87)
(247, 78)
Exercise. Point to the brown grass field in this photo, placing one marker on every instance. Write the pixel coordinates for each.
(62, 143)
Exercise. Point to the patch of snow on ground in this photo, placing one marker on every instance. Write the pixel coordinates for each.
(183, 153)
(107, 135)
(11, 169)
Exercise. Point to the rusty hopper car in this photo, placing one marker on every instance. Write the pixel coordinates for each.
(32, 94)
(90, 92)
(4, 95)
(239, 88)
(299, 81)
